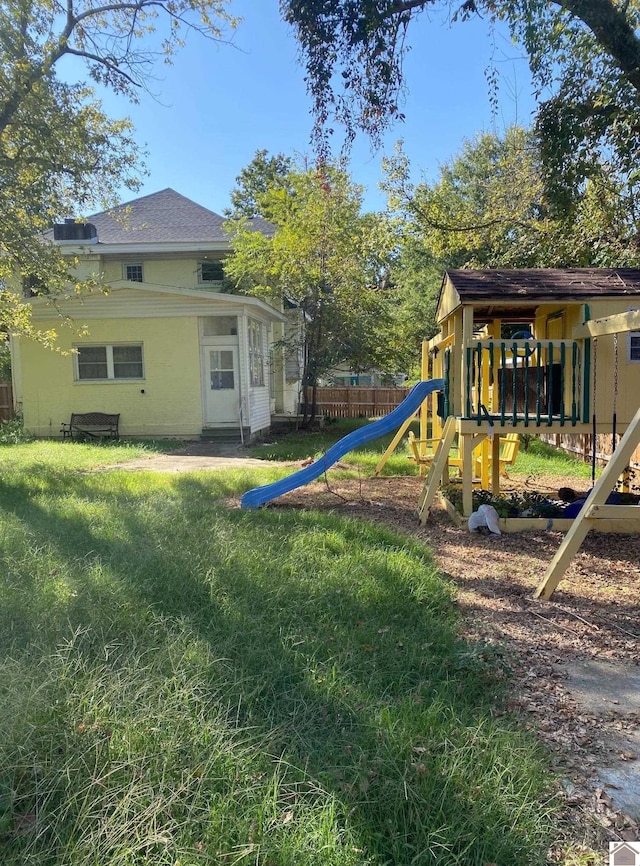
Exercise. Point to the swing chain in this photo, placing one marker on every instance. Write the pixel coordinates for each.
(615, 371)
(614, 429)
(594, 429)
(595, 367)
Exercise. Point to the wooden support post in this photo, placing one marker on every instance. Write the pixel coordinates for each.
(458, 369)
(393, 445)
(595, 509)
(466, 447)
(465, 343)
(495, 463)
(424, 415)
(437, 469)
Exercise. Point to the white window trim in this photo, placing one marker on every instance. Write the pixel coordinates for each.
(110, 366)
(631, 334)
(256, 352)
(126, 265)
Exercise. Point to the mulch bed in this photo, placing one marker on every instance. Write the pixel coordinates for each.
(593, 614)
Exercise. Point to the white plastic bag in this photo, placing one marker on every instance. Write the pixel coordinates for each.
(485, 516)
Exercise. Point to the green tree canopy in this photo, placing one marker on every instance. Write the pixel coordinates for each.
(490, 208)
(264, 172)
(59, 152)
(325, 258)
(584, 53)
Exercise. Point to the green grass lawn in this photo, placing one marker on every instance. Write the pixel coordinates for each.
(542, 459)
(186, 683)
(63, 456)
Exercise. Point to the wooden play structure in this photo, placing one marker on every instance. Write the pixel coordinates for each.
(531, 351)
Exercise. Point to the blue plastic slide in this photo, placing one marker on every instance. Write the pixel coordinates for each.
(409, 406)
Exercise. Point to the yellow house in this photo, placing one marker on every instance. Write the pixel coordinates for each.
(525, 351)
(165, 346)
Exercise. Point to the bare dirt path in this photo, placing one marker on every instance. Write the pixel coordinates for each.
(195, 456)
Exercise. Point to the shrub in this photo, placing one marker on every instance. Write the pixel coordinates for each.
(12, 432)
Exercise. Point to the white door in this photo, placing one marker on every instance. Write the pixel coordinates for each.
(221, 385)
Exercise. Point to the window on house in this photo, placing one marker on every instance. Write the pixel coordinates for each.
(634, 346)
(256, 353)
(210, 272)
(272, 374)
(109, 362)
(133, 273)
(219, 326)
(221, 370)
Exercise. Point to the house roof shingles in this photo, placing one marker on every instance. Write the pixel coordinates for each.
(163, 217)
(545, 284)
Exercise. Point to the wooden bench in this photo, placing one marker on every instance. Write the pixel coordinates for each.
(91, 425)
(423, 452)
(509, 446)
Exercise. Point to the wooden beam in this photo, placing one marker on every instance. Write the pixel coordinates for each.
(629, 321)
(393, 445)
(620, 512)
(585, 519)
(436, 470)
(466, 448)
(495, 463)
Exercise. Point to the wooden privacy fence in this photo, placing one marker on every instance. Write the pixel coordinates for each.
(6, 401)
(354, 402)
(580, 445)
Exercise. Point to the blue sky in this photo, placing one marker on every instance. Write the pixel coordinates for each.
(218, 104)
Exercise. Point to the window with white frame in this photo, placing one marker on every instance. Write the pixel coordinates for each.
(256, 353)
(108, 362)
(633, 343)
(134, 273)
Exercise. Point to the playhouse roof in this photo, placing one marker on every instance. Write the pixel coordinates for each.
(517, 291)
(545, 284)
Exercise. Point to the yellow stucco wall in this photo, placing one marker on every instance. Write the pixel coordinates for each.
(172, 400)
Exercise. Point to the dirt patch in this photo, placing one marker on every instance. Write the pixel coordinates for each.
(592, 616)
(196, 456)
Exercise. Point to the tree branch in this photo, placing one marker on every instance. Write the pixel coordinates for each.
(613, 32)
(103, 61)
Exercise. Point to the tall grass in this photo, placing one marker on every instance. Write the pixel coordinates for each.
(181, 682)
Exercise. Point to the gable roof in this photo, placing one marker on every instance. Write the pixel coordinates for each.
(544, 284)
(163, 217)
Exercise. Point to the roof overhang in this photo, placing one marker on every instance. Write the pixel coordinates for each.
(213, 299)
(142, 248)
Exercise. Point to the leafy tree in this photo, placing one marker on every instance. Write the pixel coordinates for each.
(59, 152)
(586, 53)
(489, 208)
(416, 277)
(263, 172)
(325, 258)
